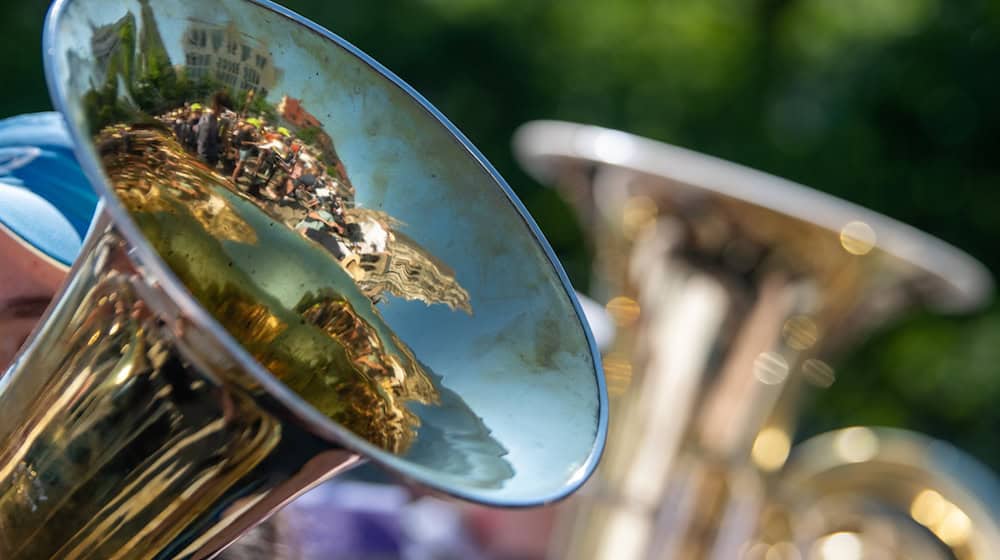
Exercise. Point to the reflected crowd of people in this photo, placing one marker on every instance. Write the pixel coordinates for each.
(292, 179)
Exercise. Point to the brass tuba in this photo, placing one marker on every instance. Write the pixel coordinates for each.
(298, 265)
(733, 292)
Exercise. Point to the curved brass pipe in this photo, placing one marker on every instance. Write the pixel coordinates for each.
(878, 492)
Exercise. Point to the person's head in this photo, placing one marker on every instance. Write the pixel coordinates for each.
(220, 100)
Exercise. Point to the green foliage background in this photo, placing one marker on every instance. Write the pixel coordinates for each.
(888, 103)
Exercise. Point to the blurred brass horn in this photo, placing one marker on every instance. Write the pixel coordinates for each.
(299, 264)
(732, 291)
(885, 493)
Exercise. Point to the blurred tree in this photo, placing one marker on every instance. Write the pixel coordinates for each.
(890, 104)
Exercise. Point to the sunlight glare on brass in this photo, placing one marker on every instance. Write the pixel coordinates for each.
(618, 373)
(857, 444)
(839, 546)
(818, 372)
(942, 517)
(770, 368)
(639, 212)
(800, 332)
(929, 507)
(623, 310)
(857, 238)
(770, 449)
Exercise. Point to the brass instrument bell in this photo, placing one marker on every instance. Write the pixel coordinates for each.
(734, 291)
(215, 353)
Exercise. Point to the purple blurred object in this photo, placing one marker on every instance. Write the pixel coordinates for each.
(360, 521)
(347, 520)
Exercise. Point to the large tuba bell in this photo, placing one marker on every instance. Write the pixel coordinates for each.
(734, 291)
(298, 265)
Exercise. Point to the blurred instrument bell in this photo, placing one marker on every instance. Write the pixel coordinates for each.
(733, 291)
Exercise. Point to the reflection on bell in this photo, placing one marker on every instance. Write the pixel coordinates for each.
(283, 280)
(749, 287)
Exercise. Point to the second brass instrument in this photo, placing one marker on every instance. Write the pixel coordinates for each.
(734, 292)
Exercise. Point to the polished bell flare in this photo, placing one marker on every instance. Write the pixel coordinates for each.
(298, 265)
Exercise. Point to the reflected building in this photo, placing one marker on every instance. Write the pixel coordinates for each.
(294, 113)
(233, 58)
(152, 52)
(409, 271)
(380, 259)
(129, 49)
(291, 110)
(113, 46)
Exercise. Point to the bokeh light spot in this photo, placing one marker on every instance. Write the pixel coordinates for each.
(857, 238)
(770, 368)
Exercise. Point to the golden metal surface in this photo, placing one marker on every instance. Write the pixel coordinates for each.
(118, 442)
(332, 347)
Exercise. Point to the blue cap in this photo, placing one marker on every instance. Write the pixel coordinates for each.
(44, 197)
